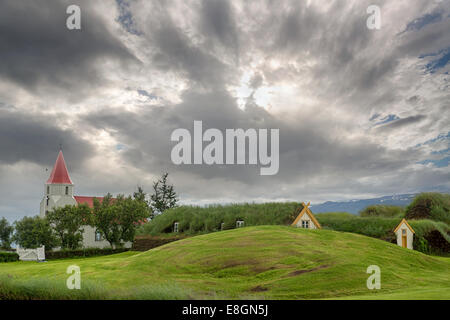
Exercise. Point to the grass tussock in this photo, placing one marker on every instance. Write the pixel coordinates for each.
(13, 288)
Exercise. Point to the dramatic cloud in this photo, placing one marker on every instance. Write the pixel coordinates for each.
(360, 112)
(38, 51)
(34, 138)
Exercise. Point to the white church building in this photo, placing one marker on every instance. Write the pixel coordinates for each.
(59, 191)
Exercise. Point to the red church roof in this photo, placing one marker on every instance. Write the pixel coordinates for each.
(87, 200)
(59, 173)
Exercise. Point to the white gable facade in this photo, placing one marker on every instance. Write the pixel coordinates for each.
(306, 222)
(306, 219)
(405, 235)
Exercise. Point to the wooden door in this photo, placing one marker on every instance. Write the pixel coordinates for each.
(404, 241)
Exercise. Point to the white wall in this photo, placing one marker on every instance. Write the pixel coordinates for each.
(409, 236)
(57, 197)
(306, 217)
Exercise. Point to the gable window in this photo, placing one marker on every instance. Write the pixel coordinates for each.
(239, 224)
(98, 236)
(67, 190)
(175, 227)
(305, 224)
(403, 231)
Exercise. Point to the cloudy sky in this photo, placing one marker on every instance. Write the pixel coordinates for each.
(360, 112)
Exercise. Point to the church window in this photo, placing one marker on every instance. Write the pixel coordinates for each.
(48, 189)
(48, 200)
(175, 227)
(98, 236)
(67, 190)
(305, 224)
(239, 223)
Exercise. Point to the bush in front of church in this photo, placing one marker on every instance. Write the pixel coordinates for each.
(8, 256)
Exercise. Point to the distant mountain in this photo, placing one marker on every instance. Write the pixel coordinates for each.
(354, 206)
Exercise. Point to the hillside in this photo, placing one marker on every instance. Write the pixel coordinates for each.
(264, 262)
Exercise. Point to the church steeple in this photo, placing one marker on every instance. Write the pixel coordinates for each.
(58, 188)
(59, 173)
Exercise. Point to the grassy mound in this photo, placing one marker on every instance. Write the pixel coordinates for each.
(431, 205)
(264, 262)
(197, 220)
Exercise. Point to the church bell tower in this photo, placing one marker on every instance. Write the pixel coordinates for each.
(58, 190)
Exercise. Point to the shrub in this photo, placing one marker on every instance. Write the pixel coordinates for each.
(8, 256)
(33, 232)
(421, 244)
(6, 231)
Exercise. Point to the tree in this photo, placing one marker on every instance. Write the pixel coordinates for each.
(34, 232)
(6, 231)
(68, 222)
(164, 196)
(140, 195)
(117, 219)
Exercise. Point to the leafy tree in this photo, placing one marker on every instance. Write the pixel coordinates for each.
(117, 219)
(6, 232)
(33, 232)
(140, 195)
(68, 222)
(164, 196)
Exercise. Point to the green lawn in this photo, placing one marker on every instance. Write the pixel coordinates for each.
(264, 262)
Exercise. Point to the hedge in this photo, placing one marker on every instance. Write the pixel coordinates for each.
(8, 256)
(89, 252)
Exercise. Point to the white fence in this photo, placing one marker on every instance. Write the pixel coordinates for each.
(31, 254)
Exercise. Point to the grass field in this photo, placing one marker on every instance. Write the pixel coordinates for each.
(264, 262)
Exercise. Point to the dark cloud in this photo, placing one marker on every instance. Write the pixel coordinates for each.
(35, 138)
(37, 49)
(218, 22)
(176, 52)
